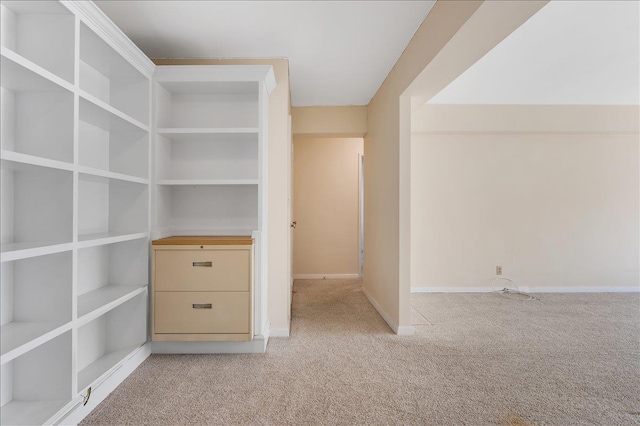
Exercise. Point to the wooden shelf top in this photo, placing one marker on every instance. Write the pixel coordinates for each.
(206, 240)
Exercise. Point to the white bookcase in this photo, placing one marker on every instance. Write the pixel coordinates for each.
(75, 198)
(210, 176)
(77, 178)
(210, 137)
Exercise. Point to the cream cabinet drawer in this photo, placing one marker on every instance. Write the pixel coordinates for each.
(201, 312)
(202, 270)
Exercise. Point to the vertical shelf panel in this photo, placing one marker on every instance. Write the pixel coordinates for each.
(36, 385)
(42, 32)
(109, 77)
(105, 341)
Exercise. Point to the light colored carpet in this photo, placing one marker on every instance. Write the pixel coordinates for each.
(476, 359)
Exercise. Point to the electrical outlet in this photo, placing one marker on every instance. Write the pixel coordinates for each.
(498, 270)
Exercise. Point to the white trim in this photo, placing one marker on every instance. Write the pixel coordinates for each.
(256, 346)
(400, 331)
(451, 289)
(325, 276)
(279, 332)
(635, 289)
(103, 389)
(406, 330)
(209, 73)
(361, 214)
(92, 16)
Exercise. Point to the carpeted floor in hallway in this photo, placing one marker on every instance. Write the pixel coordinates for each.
(476, 359)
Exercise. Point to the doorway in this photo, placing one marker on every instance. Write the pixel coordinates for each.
(361, 211)
(327, 200)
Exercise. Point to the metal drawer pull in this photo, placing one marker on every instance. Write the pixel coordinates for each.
(205, 264)
(202, 306)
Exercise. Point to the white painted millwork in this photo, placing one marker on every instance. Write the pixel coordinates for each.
(399, 330)
(326, 276)
(526, 289)
(210, 177)
(75, 219)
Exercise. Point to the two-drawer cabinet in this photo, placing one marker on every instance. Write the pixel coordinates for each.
(202, 289)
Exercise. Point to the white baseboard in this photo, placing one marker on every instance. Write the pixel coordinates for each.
(400, 331)
(527, 289)
(279, 332)
(580, 289)
(406, 330)
(325, 276)
(101, 391)
(451, 289)
(256, 346)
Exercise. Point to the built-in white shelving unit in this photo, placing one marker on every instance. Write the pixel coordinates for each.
(75, 217)
(210, 137)
(77, 182)
(210, 142)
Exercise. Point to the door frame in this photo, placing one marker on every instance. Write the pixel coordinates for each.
(361, 214)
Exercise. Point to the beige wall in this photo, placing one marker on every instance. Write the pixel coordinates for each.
(279, 271)
(334, 121)
(472, 28)
(550, 193)
(326, 181)
(382, 164)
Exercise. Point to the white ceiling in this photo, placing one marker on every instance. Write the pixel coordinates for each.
(570, 53)
(339, 51)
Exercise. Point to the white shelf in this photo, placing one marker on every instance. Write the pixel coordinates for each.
(44, 217)
(109, 142)
(98, 368)
(186, 208)
(112, 111)
(37, 112)
(42, 32)
(111, 175)
(205, 86)
(106, 340)
(206, 105)
(210, 134)
(97, 302)
(20, 337)
(207, 182)
(106, 75)
(17, 251)
(33, 160)
(111, 206)
(75, 151)
(218, 157)
(37, 384)
(30, 412)
(36, 300)
(19, 73)
(99, 239)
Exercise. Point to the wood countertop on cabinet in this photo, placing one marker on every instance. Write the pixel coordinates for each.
(205, 240)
